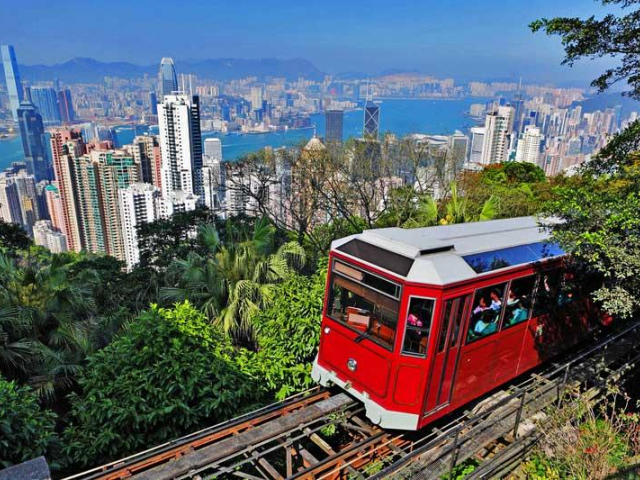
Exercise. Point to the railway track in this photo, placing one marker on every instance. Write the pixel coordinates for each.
(321, 435)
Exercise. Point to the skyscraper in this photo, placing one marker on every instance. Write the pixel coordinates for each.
(477, 144)
(10, 210)
(46, 100)
(66, 145)
(458, 145)
(168, 81)
(146, 152)
(213, 148)
(333, 126)
(153, 103)
(371, 120)
(45, 234)
(12, 77)
(257, 96)
(19, 199)
(98, 177)
(529, 145)
(138, 204)
(498, 127)
(65, 106)
(34, 142)
(180, 144)
(54, 207)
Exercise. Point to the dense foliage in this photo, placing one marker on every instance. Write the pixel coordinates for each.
(232, 282)
(12, 238)
(600, 209)
(26, 430)
(54, 311)
(169, 373)
(288, 333)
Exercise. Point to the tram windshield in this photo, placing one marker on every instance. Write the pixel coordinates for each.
(364, 302)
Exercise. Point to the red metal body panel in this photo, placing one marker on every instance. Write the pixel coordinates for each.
(443, 381)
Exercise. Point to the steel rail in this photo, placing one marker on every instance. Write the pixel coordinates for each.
(125, 467)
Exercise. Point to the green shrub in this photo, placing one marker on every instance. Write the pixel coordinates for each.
(169, 374)
(288, 334)
(26, 430)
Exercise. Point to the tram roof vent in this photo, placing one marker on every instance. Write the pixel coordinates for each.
(437, 249)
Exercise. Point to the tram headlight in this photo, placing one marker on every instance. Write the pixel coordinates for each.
(327, 330)
(352, 365)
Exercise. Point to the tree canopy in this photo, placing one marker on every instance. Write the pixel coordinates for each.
(169, 373)
(611, 36)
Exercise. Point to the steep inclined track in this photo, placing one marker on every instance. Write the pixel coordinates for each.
(230, 446)
(293, 439)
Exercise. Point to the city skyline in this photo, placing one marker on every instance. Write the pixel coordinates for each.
(337, 38)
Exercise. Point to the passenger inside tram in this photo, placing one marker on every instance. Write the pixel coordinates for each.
(486, 313)
(517, 308)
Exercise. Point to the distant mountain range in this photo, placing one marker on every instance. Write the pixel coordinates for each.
(609, 100)
(89, 70)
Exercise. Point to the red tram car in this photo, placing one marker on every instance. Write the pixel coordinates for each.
(419, 322)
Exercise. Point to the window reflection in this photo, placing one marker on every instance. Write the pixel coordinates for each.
(507, 257)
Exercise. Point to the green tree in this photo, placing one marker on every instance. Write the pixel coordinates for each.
(26, 430)
(233, 282)
(600, 225)
(12, 238)
(163, 241)
(611, 36)
(455, 209)
(171, 372)
(288, 334)
(54, 311)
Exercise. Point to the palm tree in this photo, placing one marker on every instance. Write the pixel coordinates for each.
(46, 322)
(232, 283)
(456, 210)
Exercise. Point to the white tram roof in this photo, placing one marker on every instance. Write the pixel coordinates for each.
(447, 254)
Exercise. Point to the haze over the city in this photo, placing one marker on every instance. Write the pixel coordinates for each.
(460, 38)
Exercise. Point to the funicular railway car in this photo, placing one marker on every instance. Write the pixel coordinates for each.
(419, 322)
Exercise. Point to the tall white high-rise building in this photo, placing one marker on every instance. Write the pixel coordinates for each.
(257, 96)
(529, 145)
(180, 144)
(213, 148)
(498, 126)
(138, 204)
(477, 144)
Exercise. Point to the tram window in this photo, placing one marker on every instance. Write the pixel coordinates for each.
(445, 325)
(519, 300)
(364, 309)
(418, 326)
(554, 290)
(487, 306)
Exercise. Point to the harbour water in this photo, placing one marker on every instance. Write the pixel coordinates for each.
(401, 117)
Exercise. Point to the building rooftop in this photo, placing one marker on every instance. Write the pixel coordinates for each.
(447, 254)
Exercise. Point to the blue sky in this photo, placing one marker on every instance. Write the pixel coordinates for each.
(459, 38)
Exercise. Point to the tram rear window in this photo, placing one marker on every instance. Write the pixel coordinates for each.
(507, 257)
(373, 312)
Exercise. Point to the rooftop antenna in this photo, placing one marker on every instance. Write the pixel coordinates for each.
(190, 87)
